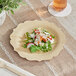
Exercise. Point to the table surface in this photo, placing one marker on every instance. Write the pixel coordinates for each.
(65, 63)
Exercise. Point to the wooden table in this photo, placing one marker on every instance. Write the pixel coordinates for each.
(62, 65)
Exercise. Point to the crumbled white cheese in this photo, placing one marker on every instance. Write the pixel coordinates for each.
(43, 35)
(52, 41)
(47, 46)
(30, 40)
(36, 43)
(32, 35)
(41, 44)
(46, 33)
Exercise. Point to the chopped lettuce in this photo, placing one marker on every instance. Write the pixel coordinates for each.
(46, 48)
(27, 41)
(34, 48)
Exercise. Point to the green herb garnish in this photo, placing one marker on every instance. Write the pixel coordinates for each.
(25, 46)
(28, 35)
(53, 36)
(26, 41)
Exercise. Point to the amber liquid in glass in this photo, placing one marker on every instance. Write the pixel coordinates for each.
(59, 5)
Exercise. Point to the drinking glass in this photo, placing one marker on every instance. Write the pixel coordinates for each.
(59, 5)
(59, 8)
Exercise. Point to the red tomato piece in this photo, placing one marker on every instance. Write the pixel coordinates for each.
(37, 31)
(50, 37)
(44, 39)
(35, 37)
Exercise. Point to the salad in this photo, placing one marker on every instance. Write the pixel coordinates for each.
(38, 40)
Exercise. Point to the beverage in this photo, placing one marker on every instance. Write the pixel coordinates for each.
(59, 5)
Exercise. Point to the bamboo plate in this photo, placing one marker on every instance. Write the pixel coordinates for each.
(22, 28)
